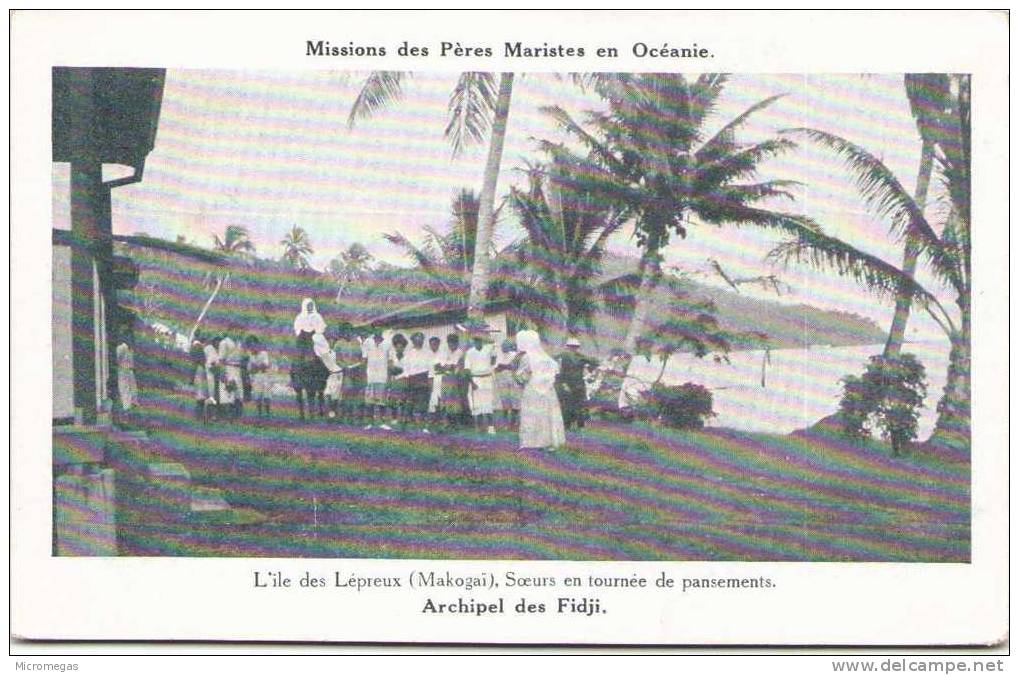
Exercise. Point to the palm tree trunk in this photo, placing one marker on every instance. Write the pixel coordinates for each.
(559, 324)
(897, 331)
(952, 430)
(486, 206)
(651, 272)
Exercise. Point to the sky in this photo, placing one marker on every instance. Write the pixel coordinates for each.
(269, 150)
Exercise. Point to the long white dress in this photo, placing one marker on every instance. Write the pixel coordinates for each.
(127, 386)
(541, 418)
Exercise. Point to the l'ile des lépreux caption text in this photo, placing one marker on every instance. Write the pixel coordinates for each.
(559, 594)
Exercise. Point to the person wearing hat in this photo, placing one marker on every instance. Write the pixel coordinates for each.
(571, 384)
(479, 364)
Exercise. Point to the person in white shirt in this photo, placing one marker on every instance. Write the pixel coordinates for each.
(479, 365)
(261, 366)
(417, 367)
(231, 391)
(376, 352)
(453, 400)
(436, 357)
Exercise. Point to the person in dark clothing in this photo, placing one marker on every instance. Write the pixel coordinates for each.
(571, 385)
(246, 353)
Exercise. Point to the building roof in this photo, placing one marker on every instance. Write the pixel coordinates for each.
(106, 114)
(187, 250)
(432, 312)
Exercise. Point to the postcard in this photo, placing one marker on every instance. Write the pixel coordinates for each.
(577, 328)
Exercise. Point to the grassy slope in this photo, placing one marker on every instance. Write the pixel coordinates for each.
(616, 492)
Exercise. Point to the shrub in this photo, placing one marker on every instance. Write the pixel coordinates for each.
(687, 406)
(888, 396)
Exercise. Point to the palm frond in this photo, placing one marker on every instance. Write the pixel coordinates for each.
(424, 257)
(380, 89)
(885, 196)
(726, 135)
(810, 245)
(471, 106)
(734, 163)
(594, 146)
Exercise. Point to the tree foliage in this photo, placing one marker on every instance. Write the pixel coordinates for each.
(553, 269)
(888, 396)
(297, 248)
(447, 258)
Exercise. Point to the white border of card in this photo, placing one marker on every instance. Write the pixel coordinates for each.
(214, 599)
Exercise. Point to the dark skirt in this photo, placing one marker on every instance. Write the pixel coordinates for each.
(419, 391)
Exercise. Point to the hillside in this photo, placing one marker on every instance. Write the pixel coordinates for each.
(262, 297)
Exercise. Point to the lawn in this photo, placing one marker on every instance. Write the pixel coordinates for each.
(616, 492)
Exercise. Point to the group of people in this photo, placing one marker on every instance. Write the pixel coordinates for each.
(430, 383)
(418, 381)
(228, 372)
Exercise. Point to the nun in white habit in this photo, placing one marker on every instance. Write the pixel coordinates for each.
(311, 322)
(541, 418)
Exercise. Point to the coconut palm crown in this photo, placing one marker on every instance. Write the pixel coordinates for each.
(651, 153)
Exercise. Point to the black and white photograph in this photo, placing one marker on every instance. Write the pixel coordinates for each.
(712, 317)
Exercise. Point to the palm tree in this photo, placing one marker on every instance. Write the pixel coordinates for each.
(476, 108)
(921, 89)
(297, 248)
(649, 153)
(946, 254)
(350, 267)
(447, 258)
(567, 225)
(236, 240)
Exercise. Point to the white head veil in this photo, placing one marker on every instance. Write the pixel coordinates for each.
(530, 342)
(309, 320)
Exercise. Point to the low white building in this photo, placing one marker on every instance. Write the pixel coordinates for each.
(437, 317)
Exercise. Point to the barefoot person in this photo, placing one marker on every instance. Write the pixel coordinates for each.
(479, 365)
(541, 419)
(376, 352)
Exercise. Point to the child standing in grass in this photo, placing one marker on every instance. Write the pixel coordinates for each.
(261, 367)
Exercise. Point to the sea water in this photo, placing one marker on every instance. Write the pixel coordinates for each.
(800, 386)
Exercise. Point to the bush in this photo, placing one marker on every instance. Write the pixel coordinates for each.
(687, 406)
(888, 396)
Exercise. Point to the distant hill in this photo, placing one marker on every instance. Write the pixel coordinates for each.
(786, 325)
